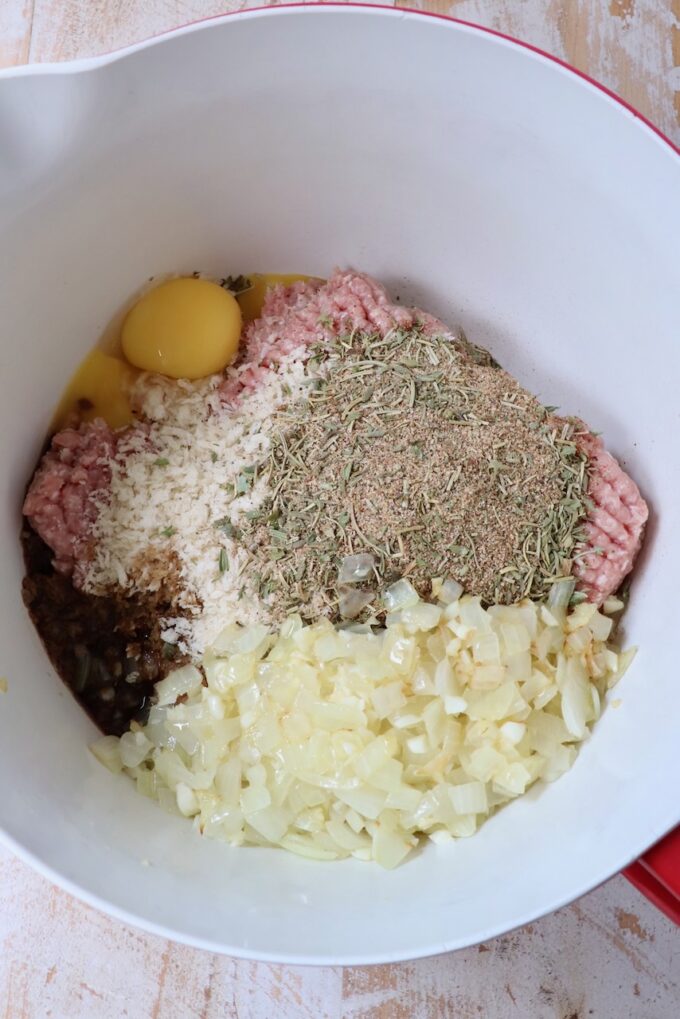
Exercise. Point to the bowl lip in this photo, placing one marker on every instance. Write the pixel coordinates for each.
(345, 959)
(316, 7)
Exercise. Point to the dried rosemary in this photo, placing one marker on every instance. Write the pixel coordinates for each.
(426, 455)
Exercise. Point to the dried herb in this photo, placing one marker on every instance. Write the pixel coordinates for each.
(224, 524)
(236, 284)
(422, 452)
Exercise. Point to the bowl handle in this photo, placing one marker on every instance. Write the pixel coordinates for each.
(657, 875)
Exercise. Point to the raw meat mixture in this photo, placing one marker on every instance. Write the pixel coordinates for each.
(62, 499)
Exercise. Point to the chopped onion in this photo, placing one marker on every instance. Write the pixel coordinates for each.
(355, 568)
(255, 797)
(486, 648)
(494, 705)
(516, 638)
(487, 677)
(473, 615)
(513, 779)
(600, 626)
(513, 732)
(133, 748)
(580, 616)
(335, 742)
(271, 822)
(351, 602)
(387, 699)
(418, 744)
(560, 596)
(187, 801)
(400, 596)
(390, 847)
(455, 705)
(469, 798)
(577, 706)
(185, 680)
(420, 616)
(448, 592)
(107, 751)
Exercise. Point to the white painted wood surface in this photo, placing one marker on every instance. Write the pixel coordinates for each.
(609, 956)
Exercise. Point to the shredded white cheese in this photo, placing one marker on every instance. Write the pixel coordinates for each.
(173, 480)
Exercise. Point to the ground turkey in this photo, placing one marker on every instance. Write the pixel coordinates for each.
(74, 474)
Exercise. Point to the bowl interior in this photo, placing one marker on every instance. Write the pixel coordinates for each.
(473, 177)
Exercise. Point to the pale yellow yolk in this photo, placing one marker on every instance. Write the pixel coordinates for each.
(101, 383)
(98, 389)
(185, 328)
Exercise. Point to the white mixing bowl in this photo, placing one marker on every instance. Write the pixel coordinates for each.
(475, 177)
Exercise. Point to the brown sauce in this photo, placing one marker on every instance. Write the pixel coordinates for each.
(108, 650)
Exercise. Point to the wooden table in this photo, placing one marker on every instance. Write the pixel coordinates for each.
(609, 956)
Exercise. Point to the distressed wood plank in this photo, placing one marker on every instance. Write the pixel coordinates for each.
(611, 954)
(66, 29)
(675, 51)
(16, 17)
(632, 46)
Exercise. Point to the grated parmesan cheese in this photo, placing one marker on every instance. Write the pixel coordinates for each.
(173, 479)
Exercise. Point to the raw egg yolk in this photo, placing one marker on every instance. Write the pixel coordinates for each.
(98, 389)
(185, 328)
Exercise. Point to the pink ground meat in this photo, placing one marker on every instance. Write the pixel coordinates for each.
(614, 525)
(61, 502)
(302, 314)
(296, 317)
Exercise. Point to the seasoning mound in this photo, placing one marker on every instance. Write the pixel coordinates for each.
(422, 452)
(354, 442)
